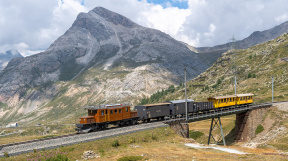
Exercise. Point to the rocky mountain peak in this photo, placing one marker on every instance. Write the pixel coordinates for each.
(113, 17)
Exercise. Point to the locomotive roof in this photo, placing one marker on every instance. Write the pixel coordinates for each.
(181, 101)
(157, 104)
(96, 107)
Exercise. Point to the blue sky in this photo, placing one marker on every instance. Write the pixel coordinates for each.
(181, 4)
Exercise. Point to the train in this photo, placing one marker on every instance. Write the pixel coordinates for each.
(101, 116)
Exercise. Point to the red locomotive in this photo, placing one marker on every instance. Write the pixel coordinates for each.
(99, 117)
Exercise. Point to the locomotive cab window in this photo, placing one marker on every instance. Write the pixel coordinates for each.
(126, 109)
(120, 110)
(115, 111)
(111, 111)
(102, 112)
(106, 112)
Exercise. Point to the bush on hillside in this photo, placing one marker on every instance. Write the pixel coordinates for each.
(259, 129)
(195, 134)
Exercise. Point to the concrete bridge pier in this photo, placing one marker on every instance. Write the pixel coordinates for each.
(247, 122)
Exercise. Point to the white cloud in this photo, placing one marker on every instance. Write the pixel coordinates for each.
(282, 18)
(204, 23)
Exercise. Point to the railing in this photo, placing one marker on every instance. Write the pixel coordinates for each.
(217, 112)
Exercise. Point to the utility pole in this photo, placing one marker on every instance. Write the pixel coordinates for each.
(272, 89)
(232, 43)
(186, 96)
(235, 85)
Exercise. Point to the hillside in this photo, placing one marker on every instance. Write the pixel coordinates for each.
(254, 67)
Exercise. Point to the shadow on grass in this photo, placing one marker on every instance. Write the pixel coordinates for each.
(230, 138)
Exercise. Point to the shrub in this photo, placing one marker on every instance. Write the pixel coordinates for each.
(130, 158)
(249, 75)
(102, 152)
(195, 134)
(115, 143)
(144, 139)
(259, 129)
(132, 140)
(71, 149)
(219, 81)
(6, 154)
(154, 137)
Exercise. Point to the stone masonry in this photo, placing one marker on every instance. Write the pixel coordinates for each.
(247, 122)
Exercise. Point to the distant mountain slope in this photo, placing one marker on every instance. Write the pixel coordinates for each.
(254, 68)
(7, 56)
(255, 38)
(102, 57)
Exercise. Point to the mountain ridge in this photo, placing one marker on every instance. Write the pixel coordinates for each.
(257, 37)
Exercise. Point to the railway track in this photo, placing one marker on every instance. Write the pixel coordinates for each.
(65, 140)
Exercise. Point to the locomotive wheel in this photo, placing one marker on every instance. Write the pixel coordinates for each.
(133, 122)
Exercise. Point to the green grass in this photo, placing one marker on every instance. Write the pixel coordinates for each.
(195, 134)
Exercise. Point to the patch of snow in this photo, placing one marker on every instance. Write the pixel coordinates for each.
(229, 150)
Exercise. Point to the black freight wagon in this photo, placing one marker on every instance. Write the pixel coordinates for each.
(177, 107)
(153, 111)
(202, 106)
